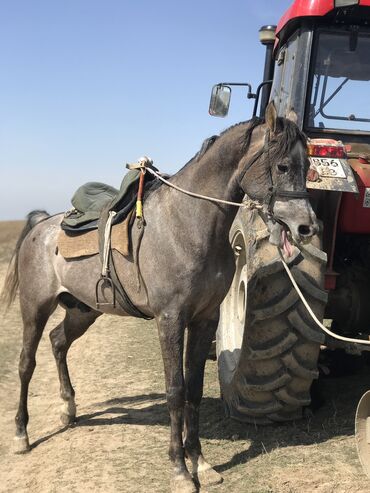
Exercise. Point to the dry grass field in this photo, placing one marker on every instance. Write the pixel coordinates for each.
(119, 443)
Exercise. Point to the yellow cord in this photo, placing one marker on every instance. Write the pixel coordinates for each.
(139, 209)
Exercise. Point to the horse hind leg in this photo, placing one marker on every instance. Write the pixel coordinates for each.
(79, 317)
(34, 321)
(199, 341)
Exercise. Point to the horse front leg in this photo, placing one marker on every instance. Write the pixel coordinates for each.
(200, 337)
(171, 336)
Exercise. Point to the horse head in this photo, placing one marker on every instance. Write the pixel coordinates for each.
(275, 176)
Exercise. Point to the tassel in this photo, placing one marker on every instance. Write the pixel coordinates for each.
(139, 201)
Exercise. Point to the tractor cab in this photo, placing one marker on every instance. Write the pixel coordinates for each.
(322, 68)
(317, 67)
(321, 74)
(317, 72)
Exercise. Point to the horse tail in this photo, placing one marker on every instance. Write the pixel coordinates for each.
(12, 276)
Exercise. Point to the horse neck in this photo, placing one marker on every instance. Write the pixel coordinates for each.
(210, 177)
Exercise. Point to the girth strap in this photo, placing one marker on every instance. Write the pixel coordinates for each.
(121, 295)
(109, 273)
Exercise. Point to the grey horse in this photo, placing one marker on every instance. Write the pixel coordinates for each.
(186, 266)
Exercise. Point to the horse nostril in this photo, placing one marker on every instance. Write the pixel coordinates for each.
(304, 230)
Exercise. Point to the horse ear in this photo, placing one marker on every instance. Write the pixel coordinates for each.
(292, 116)
(271, 116)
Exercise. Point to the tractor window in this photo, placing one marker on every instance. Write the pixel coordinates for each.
(281, 91)
(340, 85)
(276, 84)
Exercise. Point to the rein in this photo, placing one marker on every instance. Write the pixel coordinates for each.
(144, 163)
(197, 195)
(311, 312)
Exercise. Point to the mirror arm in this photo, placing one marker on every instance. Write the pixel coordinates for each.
(257, 95)
(250, 94)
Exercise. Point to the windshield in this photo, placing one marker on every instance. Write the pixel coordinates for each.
(340, 90)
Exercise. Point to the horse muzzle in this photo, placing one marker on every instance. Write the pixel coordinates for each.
(296, 218)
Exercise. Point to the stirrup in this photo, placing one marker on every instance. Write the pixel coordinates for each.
(113, 288)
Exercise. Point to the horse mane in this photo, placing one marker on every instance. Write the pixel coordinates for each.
(284, 139)
(287, 135)
(252, 124)
(207, 143)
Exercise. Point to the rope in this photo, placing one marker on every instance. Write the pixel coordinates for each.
(304, 301)
(247, 203)
(143, 163)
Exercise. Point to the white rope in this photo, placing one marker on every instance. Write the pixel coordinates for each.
(253, 204)
(304, 301)
(247, 203)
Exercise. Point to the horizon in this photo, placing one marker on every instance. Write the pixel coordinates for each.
(88, 87)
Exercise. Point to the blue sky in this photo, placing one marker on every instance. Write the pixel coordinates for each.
(88, 85)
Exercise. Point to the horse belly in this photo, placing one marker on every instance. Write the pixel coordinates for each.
(80, 278)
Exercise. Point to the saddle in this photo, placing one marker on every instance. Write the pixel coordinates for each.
(99, 222)
(92, 198)
(79, 236)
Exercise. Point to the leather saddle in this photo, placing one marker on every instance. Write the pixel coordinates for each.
(92, 198)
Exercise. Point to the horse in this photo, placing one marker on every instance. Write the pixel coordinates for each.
(186, 268)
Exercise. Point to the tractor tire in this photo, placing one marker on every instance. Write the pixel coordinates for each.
(267, 344)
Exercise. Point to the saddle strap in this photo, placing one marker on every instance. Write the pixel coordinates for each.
(108, 268)
(121, 296)
(107, 244)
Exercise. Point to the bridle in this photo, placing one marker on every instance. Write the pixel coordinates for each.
(265, 207)
(274, 191)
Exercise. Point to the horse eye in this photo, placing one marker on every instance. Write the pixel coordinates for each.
(283, 168)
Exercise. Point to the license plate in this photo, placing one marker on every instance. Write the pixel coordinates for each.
(366, 202)
(327, 167)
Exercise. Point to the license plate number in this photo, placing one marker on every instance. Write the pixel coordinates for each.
(327, 167)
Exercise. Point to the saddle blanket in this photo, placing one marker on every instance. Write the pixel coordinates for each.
(87, 243)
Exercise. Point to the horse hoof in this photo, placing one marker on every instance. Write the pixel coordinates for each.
(21, 445)
(67, 419)
(183, 485)
(209, 477)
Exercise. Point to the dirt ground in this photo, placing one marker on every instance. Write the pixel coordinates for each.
(119, 443)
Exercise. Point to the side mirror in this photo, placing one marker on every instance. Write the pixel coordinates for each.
(220, 100)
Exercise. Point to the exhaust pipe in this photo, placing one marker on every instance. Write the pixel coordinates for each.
(267, 38)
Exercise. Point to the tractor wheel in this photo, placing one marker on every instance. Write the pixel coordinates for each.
(267, 344)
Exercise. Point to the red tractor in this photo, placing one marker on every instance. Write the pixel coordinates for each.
(317, 71)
